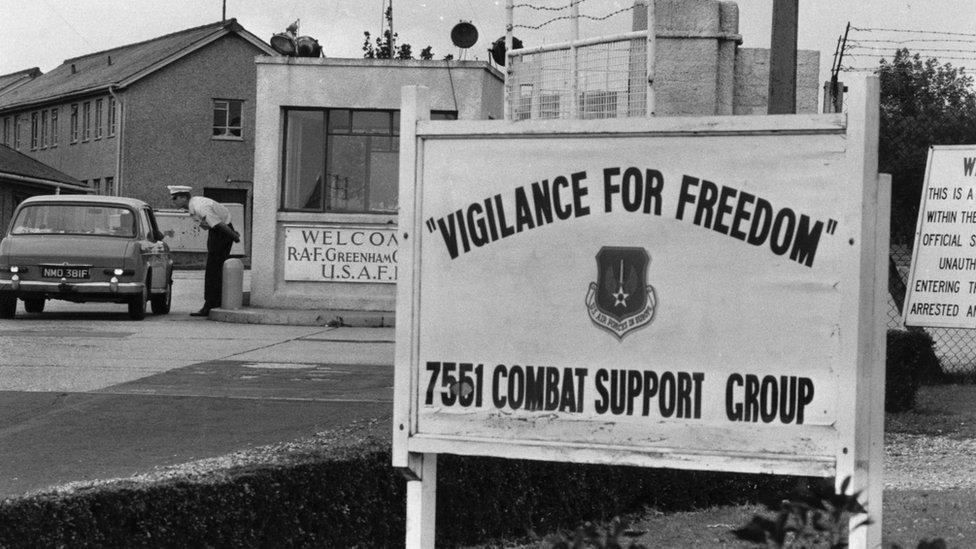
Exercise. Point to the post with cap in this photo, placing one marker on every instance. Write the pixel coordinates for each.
(232, 287)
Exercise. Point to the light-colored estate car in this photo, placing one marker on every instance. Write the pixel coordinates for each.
(84, 248)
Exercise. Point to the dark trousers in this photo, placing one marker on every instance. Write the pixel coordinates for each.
(218, 250)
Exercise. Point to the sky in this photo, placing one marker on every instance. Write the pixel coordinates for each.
(43, 33)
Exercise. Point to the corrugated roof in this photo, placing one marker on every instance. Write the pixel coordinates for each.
(15, 163)
(115, 66)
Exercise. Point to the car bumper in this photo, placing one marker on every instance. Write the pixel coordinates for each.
(54, 290)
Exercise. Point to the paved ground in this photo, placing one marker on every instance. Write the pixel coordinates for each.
(86, 393)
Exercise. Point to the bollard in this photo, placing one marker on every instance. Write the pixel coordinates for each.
(232, 284)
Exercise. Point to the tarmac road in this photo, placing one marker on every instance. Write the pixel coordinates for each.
(86, 393)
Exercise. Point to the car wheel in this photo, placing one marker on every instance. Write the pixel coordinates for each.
(34, 305)
(162, 302)
(8, 306)
(137, 304)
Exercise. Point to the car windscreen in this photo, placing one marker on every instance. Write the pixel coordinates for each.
(86, 219)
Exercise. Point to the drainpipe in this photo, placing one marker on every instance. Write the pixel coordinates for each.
(120, 126)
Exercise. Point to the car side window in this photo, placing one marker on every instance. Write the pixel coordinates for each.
(154, 233)
(146, 231)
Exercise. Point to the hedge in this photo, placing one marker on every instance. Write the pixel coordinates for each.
(911, 361)
(351, 497)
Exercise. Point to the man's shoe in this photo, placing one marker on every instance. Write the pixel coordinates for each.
(202, 312)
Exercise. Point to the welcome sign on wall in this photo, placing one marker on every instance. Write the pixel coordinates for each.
(687, 292)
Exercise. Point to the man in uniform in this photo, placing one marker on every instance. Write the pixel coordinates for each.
(221, 236)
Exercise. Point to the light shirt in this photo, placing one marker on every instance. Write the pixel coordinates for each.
(208, 213)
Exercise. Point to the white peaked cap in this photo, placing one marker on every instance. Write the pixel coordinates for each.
(174, 189)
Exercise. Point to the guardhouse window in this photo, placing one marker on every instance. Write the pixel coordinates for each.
(342, 160)
(227, 119)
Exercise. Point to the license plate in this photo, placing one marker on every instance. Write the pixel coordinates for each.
(66, 272)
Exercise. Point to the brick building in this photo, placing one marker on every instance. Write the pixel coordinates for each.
(177, 109)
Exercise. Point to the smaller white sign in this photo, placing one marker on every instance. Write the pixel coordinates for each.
(942, 283)
(329, 253)
(183, 234)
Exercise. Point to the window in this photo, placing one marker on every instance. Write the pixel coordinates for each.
(17, 132)
(33, 140)
(227, 119)
(110, 186)
(44, 141)
(74, 123)
(99, 128)
(111, 117)
(54, 127)
(598, 104)
(94, 219)
(342, 160)
(6, 131)
(86, 121)
(523, 109)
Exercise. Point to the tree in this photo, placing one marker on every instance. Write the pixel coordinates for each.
(382, 48)
(923, 103)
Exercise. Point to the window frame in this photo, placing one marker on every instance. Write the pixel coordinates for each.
(44, 133)
(73, 126)
(227, 129)
(54, 127)
(111, 116)
(34, 121)
(86, 109)
(99, 128)
(392, 133)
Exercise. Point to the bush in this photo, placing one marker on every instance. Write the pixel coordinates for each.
(351, 497)
(911, 361)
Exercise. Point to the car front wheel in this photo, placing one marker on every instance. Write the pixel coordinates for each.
(137, 304)
(34, 305)
(161, 302)
(8, 306)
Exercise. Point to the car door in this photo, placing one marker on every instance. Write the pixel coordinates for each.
(154, 250)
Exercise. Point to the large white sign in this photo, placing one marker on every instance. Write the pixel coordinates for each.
(685, 293)
(942, 284)
(323, 253)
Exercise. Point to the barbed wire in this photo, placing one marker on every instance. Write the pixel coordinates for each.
(547, 8)
(944, 50)
(911, 31)
(917, 40)
(931, 44)
(581, 16)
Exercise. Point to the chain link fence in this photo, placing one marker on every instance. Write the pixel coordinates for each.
(903, 152)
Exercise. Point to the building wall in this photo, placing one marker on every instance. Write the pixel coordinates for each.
(693, 58)
(84, 159)
(473, 89)
(752, 81)
(168, 122)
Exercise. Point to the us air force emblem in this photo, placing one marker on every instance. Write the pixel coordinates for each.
(621, 301)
